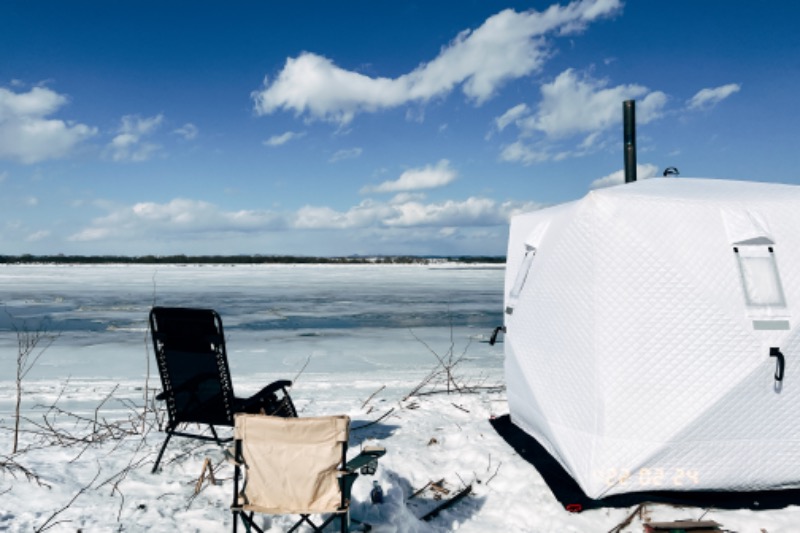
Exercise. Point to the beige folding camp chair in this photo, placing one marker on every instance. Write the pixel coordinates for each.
(295, 466)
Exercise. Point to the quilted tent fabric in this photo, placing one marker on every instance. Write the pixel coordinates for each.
(292, 463)
(640, 321)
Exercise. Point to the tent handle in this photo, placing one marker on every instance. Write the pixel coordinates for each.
(497, 330)
(780, 363)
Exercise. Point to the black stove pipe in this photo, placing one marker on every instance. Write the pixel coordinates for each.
(629, 138)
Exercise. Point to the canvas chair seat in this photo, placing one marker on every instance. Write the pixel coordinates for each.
(189, 346)
(294, 466)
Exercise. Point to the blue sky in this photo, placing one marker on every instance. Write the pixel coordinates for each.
(337, 128)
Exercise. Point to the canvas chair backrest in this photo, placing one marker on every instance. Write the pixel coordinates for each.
(292, 464)
(189, 346)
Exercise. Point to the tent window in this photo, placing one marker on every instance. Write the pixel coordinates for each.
(522, 274)
(760, 278)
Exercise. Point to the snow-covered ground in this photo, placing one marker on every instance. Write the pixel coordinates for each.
(356, 339)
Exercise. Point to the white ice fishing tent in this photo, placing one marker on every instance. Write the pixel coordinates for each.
(640, 323)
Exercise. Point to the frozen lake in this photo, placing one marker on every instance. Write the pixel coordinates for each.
(278, 319)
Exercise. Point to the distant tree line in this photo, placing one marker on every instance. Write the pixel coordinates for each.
(241, 259)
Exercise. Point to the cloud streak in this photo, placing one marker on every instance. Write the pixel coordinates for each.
(130, 143)
(708, 98)
(196, 219)
(283, 138)
(348, 153)
(415, 179)
(188, 131)
(507, 46)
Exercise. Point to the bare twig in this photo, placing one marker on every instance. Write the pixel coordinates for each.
(31, 344)
(308, 360)
(207, 470)
(387, 413)
(622, 525)
(47, 525)
(495, 473)
(9, 465)
(372, 396)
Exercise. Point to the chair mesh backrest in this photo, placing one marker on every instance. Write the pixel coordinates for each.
(292, 464)
(189, 346)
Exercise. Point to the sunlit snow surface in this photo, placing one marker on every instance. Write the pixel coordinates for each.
(343, 333)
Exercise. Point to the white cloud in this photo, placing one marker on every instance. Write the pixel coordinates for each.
(428, 177)
(283, 138)
(472, 212)
(405, 197)
(130, 143)
(507, 46)
(576, 105)
(511, 116)
(31, 201)
(188, 131)
(185, 219)
(350, 153)
(367, 213)
(180, 216)
(519, 152)
(571, 107)
(616, 178)
(37, 236)
(27, 136)
(708, 98)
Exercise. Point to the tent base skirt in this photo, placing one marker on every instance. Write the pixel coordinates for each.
(569, 494)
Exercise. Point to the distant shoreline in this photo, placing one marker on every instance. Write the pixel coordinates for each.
(245, 260)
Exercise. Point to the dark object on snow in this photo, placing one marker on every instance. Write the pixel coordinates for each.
(189, 346)
(683, 526)
(570, 495)
(376, 495)
(433, 513)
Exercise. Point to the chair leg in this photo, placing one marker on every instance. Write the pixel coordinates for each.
(305, 518)
(161, 452)
(249, 522)
(344, 522)
(216, 437)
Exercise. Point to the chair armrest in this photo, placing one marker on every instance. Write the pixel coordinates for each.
(269, 391)
(275, 386)
(367, 460)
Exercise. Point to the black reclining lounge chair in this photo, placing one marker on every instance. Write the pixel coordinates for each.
(189, 346)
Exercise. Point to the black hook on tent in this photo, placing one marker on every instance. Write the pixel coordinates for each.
(671, 171)
(493, 338)
(780, 363)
